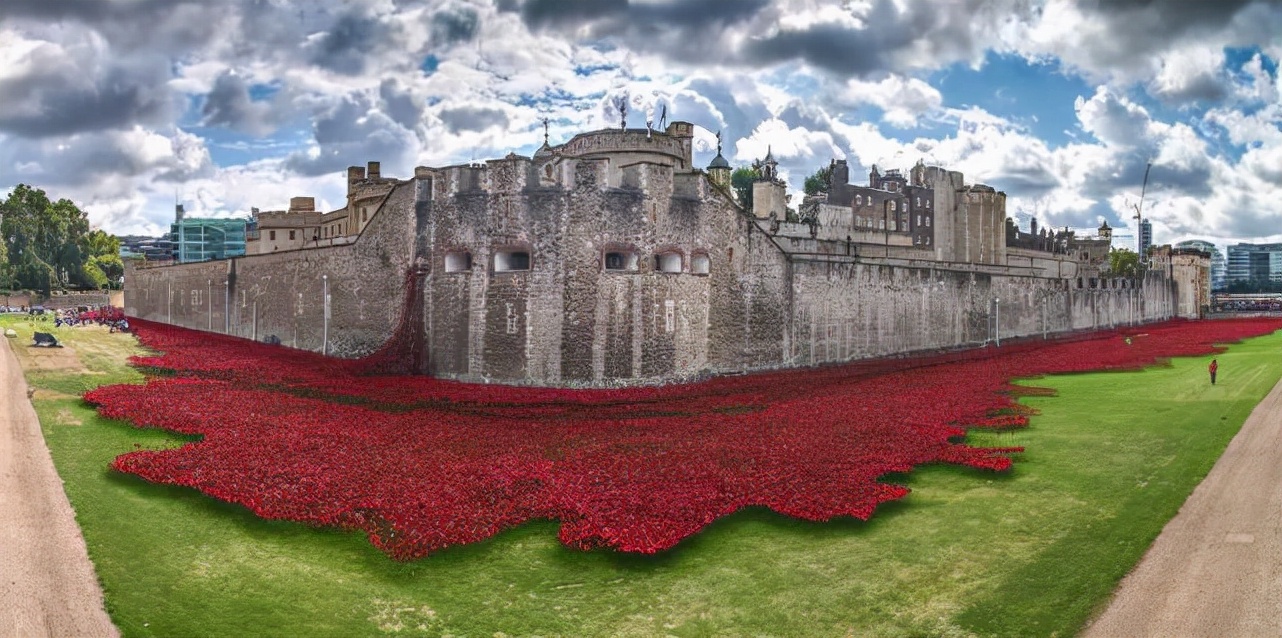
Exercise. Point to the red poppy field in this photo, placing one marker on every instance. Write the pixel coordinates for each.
(420, 464)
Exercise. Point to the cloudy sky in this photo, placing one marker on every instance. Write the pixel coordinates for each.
(125, 106)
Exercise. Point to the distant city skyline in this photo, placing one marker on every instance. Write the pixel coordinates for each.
(126, 108)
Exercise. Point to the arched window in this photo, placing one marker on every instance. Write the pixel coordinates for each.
(620, 260)
(511, 260)
(458, 261)
(700, 264)
(667, 262)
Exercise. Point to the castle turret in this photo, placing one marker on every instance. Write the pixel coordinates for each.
(1105, 232)
(769, 195)
(839, 174)
(719, 168)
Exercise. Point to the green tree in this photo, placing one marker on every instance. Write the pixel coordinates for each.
(1124, 263)
(103, 264)
(741, 181)
(818, 182)
(43, 239)
(98, 243)
(6, 274)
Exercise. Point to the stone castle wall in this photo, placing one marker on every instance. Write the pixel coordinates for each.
(766, 301)
(567, 320)
(282, 294)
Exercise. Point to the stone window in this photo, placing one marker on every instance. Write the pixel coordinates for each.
(458, 261)
(271, 235)
(621, 261)
(292, 234)
(859, 200)
(927, 221)
(511, 260)
(700, 264)
(919, 220)
(667, 262)
(893, 206)
(881, 224)
(918, 202)
(927, 203)
(364, 214)
(927, 240)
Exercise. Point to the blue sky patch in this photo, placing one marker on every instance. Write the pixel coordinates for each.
(430, 64)
(1036, 95)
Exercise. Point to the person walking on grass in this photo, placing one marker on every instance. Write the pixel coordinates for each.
(1212, 368)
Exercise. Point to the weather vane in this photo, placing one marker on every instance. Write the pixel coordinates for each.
(718, 142)
(545, 130)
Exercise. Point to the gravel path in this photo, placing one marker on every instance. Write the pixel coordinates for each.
(47, 584)
(1216, 568)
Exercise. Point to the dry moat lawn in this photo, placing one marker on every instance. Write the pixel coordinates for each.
(968, 552)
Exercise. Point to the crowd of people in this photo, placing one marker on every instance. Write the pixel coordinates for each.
(1249, 305)
(110, 316)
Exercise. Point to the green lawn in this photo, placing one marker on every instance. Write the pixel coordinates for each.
(1032, 552)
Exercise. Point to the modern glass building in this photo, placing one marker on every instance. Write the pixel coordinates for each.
(196, 239)
(1255, 262)
(1219, 265)
(1146, 237)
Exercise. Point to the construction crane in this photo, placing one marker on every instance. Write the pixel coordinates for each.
(1139, 214)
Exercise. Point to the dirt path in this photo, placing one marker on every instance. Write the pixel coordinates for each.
(1216, 568)
(47, 584)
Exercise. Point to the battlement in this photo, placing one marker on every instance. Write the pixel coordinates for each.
(516, 174)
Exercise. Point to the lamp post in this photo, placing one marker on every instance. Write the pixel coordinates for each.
(209, 292)
(885, 227)
(325, 329)
(226, 306)
(997, 320)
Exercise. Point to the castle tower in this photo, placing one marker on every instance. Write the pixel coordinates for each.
(1105, 232)
(769, 195)
(719, 168)
(546, 149)
(839, 175)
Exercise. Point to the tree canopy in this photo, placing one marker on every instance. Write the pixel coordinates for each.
(741, 181)
(48, 244)
(818, 181)
(1124, 263)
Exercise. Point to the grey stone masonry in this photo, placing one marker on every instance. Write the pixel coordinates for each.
(610, 260)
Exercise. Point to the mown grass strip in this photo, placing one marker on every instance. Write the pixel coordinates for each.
(1109, 460)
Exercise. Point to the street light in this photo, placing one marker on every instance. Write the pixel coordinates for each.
(997, 320)
(325, 329)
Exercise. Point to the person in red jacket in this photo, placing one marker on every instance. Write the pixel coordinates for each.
(1212, 368)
